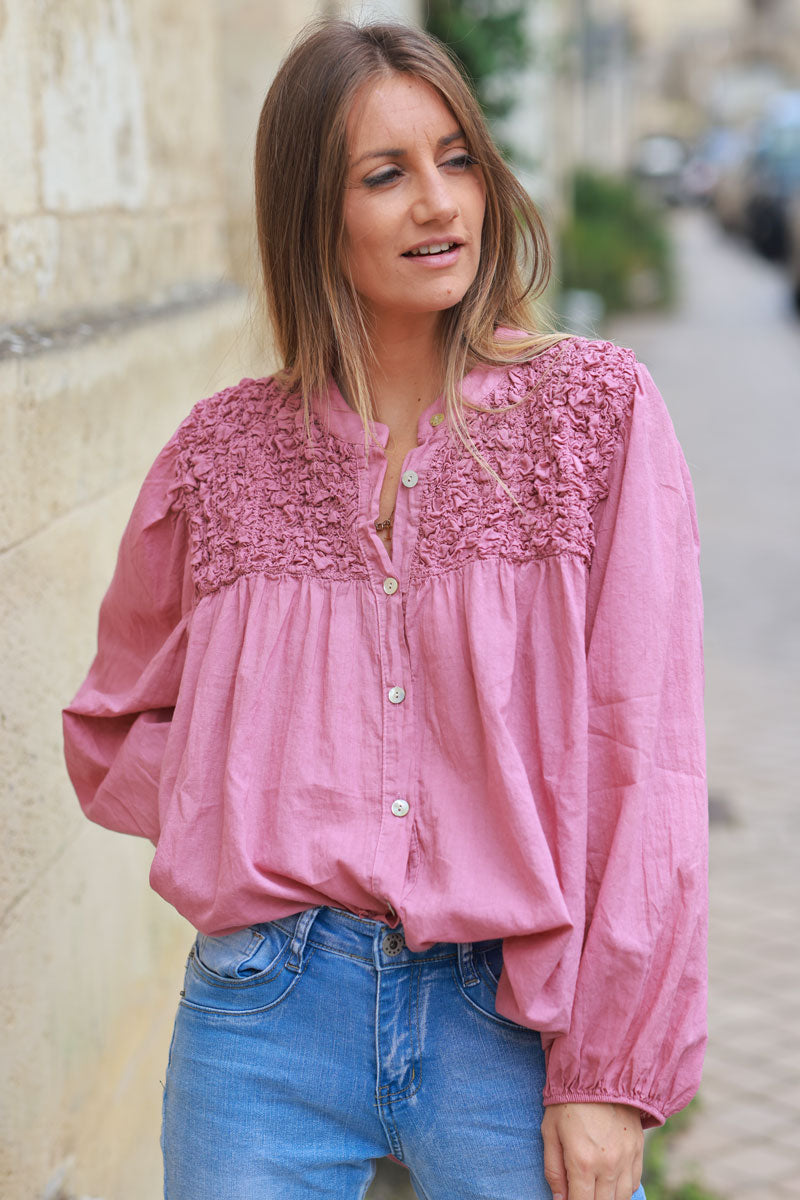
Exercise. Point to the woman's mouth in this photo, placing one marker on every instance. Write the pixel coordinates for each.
(435, 253)
(433, 249)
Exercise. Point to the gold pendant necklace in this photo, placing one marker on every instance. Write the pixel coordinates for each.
(387, 524)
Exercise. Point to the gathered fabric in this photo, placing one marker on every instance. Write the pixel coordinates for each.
(497, 732)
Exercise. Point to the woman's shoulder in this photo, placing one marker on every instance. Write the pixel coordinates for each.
(221, 430)
(232, 410)
(580, 393)
(581, 371)
(583, 387)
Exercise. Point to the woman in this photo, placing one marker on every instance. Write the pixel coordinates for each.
(400, 671)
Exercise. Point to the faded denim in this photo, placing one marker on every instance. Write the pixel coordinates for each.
(306, 1048)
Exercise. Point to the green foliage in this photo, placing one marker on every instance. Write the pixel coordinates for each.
(616, 243)
(491, 42)
(656, 1154)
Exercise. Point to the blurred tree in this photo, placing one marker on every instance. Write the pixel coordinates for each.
(616, 244)
(490, 38)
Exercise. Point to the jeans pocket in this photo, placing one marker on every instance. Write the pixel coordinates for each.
(241, 972)
(234, 955)
(481, 991)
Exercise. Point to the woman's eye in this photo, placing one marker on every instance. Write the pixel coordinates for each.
(459, 163)
(383, 177)
(462, 161)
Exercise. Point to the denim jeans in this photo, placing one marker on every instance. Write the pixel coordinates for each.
(306, 1048)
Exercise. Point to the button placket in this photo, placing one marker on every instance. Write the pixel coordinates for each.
(389, 576)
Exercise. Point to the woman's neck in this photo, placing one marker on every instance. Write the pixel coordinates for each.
(408, 374)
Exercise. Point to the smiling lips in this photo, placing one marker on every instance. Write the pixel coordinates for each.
(432, 248)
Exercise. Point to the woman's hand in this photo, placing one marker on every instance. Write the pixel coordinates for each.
(592, 1151)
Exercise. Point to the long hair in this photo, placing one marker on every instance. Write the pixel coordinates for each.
(301, 163)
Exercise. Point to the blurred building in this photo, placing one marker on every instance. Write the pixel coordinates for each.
(537, 129)
(597, 83)
(126, 259)
(711, 61)
(669, 66)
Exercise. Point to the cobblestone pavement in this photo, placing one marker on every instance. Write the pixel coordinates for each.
(728, 365)
(727, 362)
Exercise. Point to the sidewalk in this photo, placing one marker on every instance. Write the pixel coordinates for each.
(728, 366)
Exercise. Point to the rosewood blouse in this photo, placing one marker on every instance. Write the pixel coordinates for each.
(496, 732)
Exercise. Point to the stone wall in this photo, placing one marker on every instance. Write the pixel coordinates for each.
(126, 277)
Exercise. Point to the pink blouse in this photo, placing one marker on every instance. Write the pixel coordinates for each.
(496, 732)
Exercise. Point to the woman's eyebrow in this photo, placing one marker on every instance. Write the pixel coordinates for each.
(398, 152)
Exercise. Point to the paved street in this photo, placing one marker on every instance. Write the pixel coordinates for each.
(728, 366)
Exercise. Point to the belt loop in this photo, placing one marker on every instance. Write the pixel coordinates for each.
(304, 923)
(466, 966)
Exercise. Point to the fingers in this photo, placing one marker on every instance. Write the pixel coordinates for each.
(638, 1167)
(555, 1171)
(591, 1152)
(590, 1181)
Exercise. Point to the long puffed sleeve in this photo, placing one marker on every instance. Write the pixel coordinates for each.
(116, 728)
(638, 1027)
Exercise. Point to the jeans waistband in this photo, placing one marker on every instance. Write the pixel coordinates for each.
(371, 940)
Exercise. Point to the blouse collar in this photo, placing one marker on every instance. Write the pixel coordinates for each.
(337, 417)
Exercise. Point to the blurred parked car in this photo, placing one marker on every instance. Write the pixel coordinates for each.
(773, 175)
(728, 194)
(658, 160)
(712, 154)
(793, 246)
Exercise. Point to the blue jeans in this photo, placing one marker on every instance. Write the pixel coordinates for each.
(307, 1048)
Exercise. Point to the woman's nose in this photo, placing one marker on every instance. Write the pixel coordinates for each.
(436, 200)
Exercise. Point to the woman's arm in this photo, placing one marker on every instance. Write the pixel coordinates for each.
(116, 727)
(638, 1028)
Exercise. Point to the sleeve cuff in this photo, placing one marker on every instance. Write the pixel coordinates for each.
(651, 1114)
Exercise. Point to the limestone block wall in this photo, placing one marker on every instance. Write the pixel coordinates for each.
(112, 187)
(89, 957)
(249, 57)
(118, 311)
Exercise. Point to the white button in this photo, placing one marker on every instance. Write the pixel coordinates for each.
(409, 478)
(400, 807)
(437, 419)
(396, 695)
(390, 585)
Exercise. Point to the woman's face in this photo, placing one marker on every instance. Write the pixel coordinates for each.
(411, 187)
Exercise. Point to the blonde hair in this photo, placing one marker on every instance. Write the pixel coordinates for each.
(301, 164)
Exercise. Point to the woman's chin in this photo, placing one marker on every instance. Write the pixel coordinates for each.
(419, 305)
